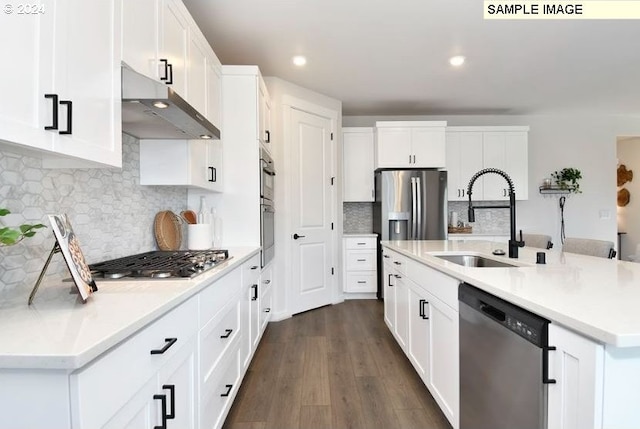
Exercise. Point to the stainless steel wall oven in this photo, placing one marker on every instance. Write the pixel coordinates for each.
(267, 210)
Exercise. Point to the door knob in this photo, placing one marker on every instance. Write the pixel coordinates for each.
(296, 236)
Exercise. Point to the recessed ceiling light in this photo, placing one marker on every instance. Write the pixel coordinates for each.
(160, 104)
(299, 60)
(456, 61)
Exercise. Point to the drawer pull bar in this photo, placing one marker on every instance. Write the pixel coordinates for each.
(267, 281)
(163, 404)
(169, 343)
(397, 263)
(267, 310)
(254, 297)
(361, 260)
(361, 281)
(227, 333)
(228, 392)
(254, 267)
(172, 390)
(361, 244)
(386, 256)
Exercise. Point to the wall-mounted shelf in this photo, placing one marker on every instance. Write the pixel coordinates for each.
(555, 190)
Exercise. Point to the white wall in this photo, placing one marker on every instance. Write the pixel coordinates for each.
(583, 142)
(279, 90)
(629, 215)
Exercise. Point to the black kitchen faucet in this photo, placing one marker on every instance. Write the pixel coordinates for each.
(513, 243)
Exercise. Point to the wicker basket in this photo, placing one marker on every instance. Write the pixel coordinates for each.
(167, 230)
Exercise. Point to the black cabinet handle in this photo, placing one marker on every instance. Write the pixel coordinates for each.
(212, 174)
(267, 310)
(397, 276)
(390, 277)
(361, 244)
(168, 71)
(296, 236)
(228, 392)
(545, 365)
(170, 80)
(267, 282)
(254, 267)
(423, 314)
(397, 263)
(361, 282)
(255, 292)
(386, 256)
(268, 134)
(361, 260)
(163, 404)
(69, 105)
(172, 390)
(54, 116)
(169, 343)
(227, 333)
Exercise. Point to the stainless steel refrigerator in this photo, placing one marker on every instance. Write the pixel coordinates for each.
(409, 205)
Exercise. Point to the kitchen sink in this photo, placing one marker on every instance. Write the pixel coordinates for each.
(475, 261)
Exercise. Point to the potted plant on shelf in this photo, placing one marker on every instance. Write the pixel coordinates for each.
(567, 179)
(10, 236)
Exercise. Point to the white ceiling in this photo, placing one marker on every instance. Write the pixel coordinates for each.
(390, 57)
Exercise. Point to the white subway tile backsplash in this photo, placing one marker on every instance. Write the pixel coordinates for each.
(111, 213)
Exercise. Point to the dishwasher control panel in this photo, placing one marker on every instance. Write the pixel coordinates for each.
(529, 332)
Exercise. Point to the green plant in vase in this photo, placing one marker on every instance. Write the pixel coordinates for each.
(568, 179)
(10, 236)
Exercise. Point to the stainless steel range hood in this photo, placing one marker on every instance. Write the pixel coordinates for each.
(152, 110)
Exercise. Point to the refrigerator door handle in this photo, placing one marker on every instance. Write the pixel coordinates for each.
(419, 233)
(413, 208)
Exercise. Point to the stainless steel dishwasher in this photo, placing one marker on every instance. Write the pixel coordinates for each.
(503, 363)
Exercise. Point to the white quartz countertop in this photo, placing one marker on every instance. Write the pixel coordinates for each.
(59, 332)
(359, 234)
(597, 297)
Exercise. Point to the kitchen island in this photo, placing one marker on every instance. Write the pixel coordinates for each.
(135, 350)
(590, 302)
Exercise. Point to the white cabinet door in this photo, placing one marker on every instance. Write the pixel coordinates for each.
(357, 161)
(418, 349)
(393, 147)
(191, 163)
(24, 112)
(389, 296)
(87, 74)
(197, 71)
(140, 36)
(575, 400)
(402, 310)
(464, 159)
(428, 147)
(444, 373)
(508, 152)
(214, 91)
(173, 47)
(264, 114)
(177, 380)
(140, 412)
(250, 309)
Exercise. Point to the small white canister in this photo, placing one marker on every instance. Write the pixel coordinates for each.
(199, 236)
(453, 219)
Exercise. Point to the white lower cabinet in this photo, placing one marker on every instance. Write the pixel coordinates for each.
(576, 398)
(250, 309)
(419, 331)
(360, 273)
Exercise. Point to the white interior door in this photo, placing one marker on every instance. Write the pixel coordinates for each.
(311, 214)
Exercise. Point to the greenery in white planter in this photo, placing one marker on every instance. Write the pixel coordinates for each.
(568, 178)
(10, 236)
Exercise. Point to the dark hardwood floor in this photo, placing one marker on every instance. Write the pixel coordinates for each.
(333, 367)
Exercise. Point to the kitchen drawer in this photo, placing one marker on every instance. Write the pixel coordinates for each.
(251, 271)
(361, 281)
(266, 306)
(116, 375)
(361, 260)
(216, 337)
(360, 242)
(397, 261)
(436, 283)
(216, 395)
(216, 295)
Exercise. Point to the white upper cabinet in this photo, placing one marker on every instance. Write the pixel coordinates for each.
(264, 114)
(140, 27)
(70, 53)
(464, 159)
(174, 33)
(470, 149)
(414, 144)
(357, 162)
(190, 163)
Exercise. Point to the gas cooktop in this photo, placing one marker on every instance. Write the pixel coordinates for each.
(160, 264)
